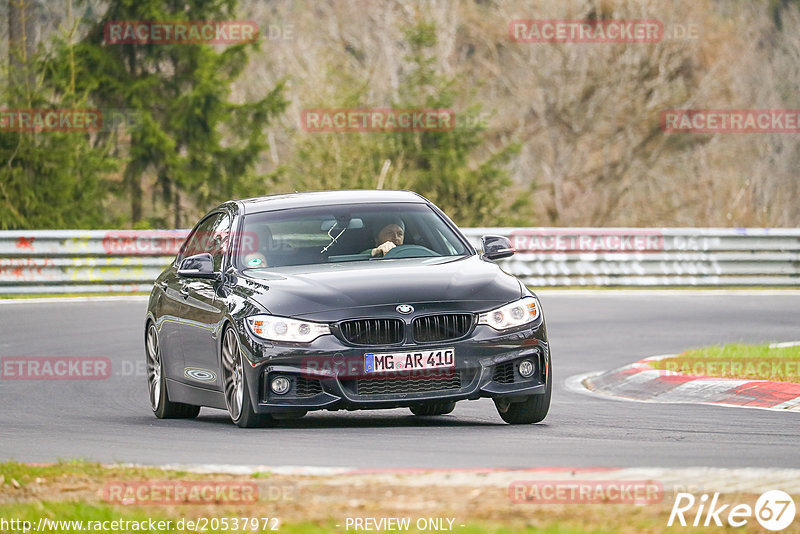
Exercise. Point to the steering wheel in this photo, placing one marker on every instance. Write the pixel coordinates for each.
(410, 251)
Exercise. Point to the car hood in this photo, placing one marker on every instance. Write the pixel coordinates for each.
(334, 290)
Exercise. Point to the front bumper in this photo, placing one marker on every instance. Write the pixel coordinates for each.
(327, 374)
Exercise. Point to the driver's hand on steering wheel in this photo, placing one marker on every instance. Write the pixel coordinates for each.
(382, 249)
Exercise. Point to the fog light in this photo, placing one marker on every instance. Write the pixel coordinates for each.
(526, 368)
(280, 385)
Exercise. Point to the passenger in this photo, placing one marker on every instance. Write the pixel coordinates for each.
(256, 245)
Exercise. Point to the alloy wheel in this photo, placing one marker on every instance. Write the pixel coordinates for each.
(232, 374)
(153, 366)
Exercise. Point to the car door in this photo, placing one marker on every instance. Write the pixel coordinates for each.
(170, 313)
(206, 308)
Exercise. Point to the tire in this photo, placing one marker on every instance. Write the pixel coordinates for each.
(532, 410)
(162, 407)
(433, 408)
(234, 379)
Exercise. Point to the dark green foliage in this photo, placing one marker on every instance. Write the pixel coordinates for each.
(190, 137)
(50, 179)
(186, 136)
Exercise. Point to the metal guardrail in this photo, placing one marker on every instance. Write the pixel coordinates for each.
(651, 256)
(75, 261)
(72, 261)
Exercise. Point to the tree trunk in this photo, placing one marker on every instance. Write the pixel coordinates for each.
(177, 208)
(22, 44)
(133, 180)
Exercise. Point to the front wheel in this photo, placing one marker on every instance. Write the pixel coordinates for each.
(162, 407)
(532, 410)
(237, 396)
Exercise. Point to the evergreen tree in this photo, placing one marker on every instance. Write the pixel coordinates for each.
(188, 135)
(48, 179)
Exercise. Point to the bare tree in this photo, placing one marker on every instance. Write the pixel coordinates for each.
(22, 34)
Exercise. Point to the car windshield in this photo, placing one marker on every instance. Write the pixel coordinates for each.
(344, 233)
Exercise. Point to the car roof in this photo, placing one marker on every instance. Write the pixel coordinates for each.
(326, 198)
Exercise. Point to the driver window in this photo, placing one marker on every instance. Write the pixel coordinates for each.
(198, 240)
(218, 242)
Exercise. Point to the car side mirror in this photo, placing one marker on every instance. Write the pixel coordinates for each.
(496, 247)
(198, 266)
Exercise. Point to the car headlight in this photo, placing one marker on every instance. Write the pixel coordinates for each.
(518, 313)
(275, 328)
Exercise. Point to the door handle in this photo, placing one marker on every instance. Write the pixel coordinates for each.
(184, 292)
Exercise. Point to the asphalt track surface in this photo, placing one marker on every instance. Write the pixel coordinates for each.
(110, 420)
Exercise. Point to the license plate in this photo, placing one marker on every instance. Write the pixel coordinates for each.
(409, 361)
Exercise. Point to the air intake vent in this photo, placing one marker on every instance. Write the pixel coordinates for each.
(442, 327)
(372, 331)
(504, 373)
(306, 387)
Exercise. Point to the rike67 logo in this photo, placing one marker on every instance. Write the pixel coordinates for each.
(774, 510)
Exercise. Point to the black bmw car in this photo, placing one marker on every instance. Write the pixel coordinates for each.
(341, 300)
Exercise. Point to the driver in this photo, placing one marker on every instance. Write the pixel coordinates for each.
(390, 234)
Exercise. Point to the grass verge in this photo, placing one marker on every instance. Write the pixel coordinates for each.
(74, 491)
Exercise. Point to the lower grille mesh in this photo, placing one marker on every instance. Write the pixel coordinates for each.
(411, 384)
